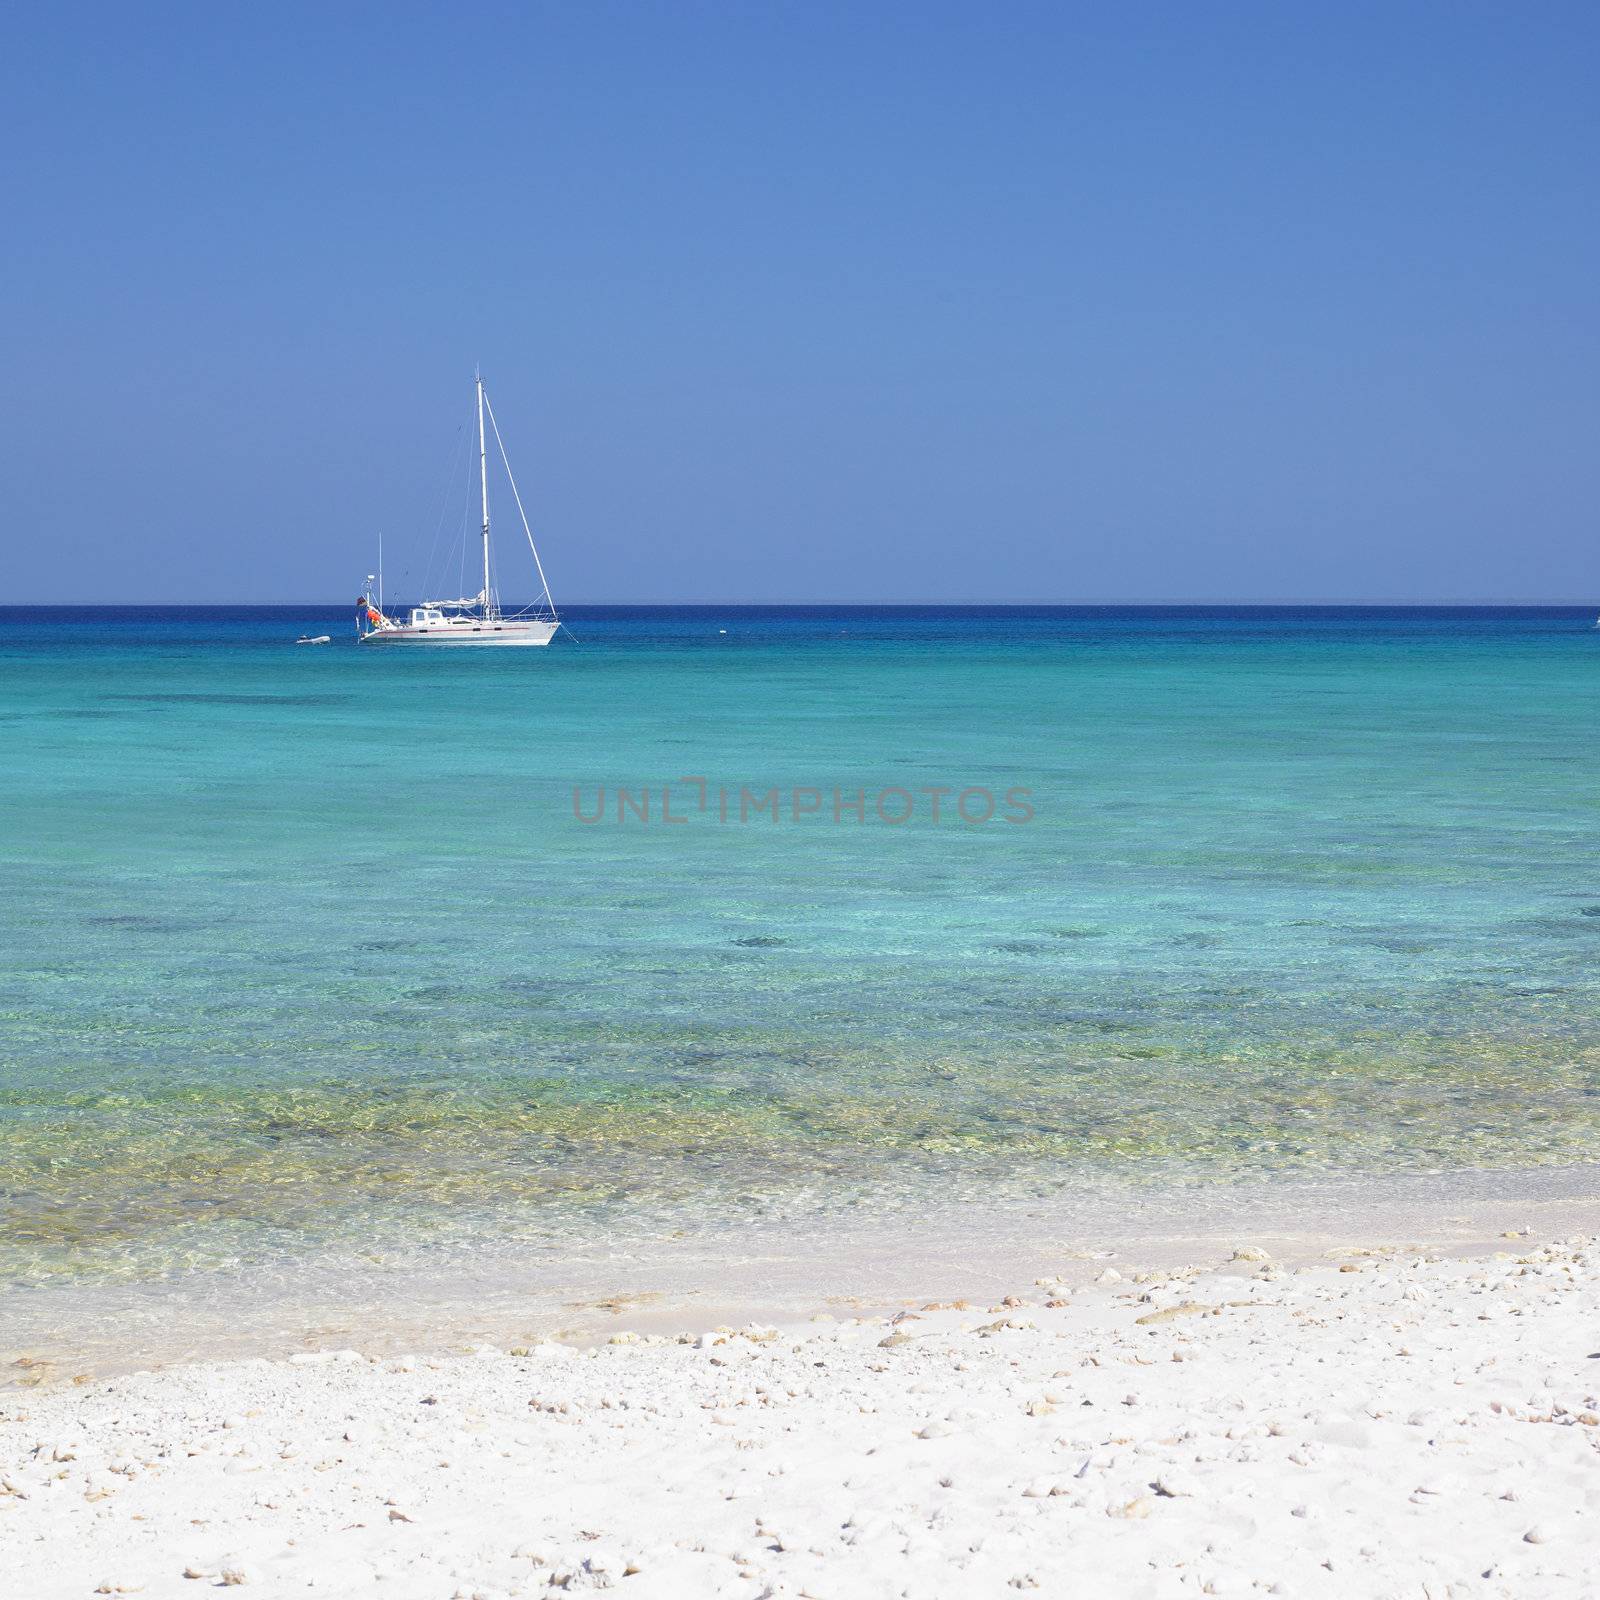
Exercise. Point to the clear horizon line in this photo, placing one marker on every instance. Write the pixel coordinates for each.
(1117, 600)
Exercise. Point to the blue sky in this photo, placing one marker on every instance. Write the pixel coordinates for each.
(807, 302)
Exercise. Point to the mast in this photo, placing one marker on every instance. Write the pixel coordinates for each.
(483, 483)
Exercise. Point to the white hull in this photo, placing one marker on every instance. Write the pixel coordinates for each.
(464, 633)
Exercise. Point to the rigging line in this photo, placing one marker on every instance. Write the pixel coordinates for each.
(466, 524)
(444, 506)
(494, 577)
(506, 462)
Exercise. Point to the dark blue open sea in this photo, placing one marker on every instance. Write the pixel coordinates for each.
(307, 949)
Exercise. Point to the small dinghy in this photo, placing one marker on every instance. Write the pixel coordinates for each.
(321, 638)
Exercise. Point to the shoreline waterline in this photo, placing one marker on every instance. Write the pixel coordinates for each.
(584, 1291)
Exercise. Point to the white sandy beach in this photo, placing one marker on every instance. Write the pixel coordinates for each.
(1379, 1422)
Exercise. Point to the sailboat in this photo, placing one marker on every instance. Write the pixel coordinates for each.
(474, 619)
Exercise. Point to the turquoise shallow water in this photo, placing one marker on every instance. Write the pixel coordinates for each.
(306, 948)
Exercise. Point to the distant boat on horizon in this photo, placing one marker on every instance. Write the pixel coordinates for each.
(474, 619)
